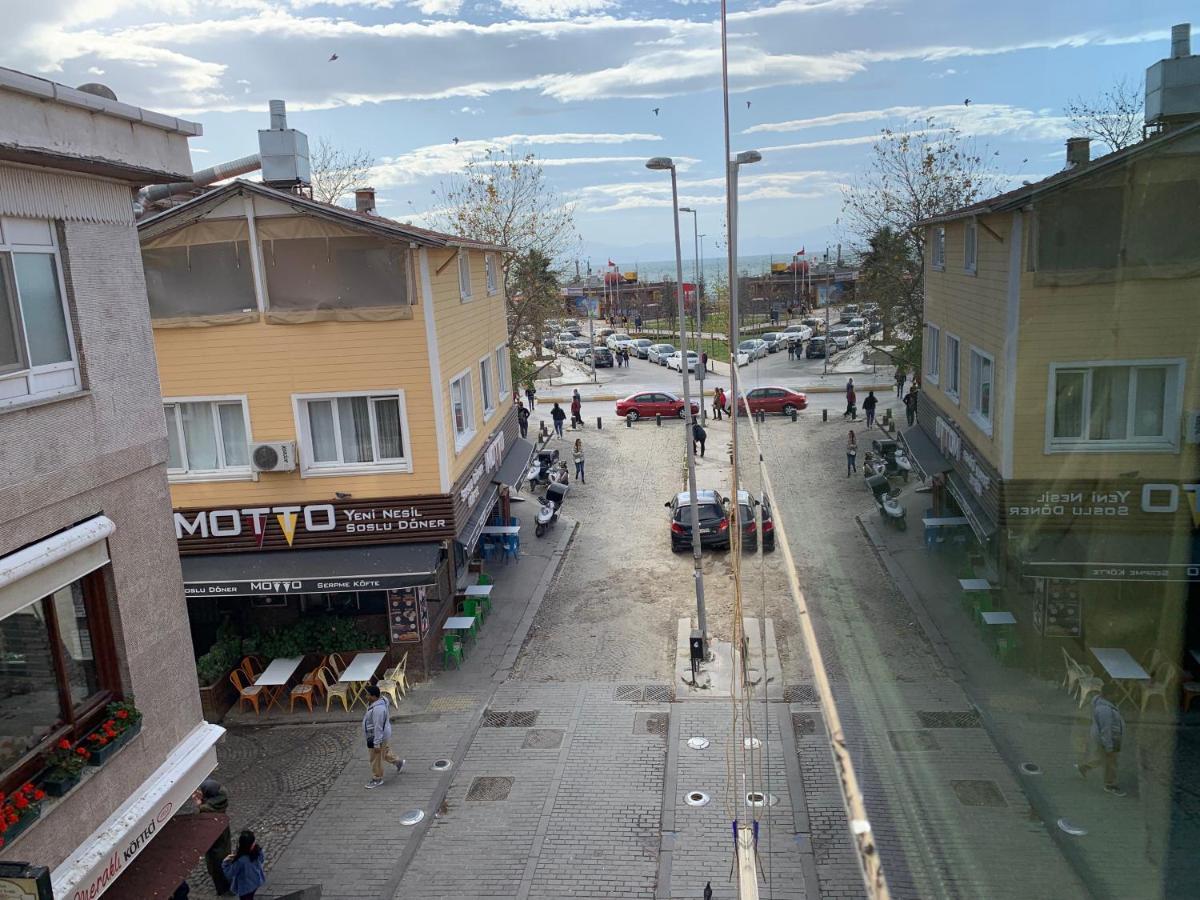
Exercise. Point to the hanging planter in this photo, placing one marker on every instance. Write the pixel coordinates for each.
(64, 766)
(19, 811)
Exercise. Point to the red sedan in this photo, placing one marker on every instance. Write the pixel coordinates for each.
(773, 400)
(652, 403)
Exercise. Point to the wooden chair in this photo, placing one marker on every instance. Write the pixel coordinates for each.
(252, 666)
(251, 693)
(334, 689)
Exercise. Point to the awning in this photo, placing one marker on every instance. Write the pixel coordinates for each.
(1109, 556)
(922, 451)
(332, 570)
(516, 463)
(468, 535)
(979, 521)
(170, 859)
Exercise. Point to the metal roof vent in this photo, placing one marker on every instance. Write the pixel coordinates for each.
(1173, 84)
(1079, 152)
(364, 200)
(284, 151)
(98, 89)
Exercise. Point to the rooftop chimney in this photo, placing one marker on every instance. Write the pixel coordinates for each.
(278, 115)
(1173, 84)
(1181, 40)
(364, 200)
(1079, 152)
(284, 151)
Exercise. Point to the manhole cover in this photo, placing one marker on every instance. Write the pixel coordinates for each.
(949, 719)
(490, 787)
(412, 817)
(800, 693)
(441, 765)
(629, 692)
(543, 739)
(913, 740)
(698, 743)
(493, 718)
(657, 693)
(758, 798)
(1071, 828)
(752, 743)
(644, 693)
(978, 793)
(803, 723)
(650, 723)
(1031, 768)
(696, 798)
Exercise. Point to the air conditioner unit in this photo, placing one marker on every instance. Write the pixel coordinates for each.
(273, 456)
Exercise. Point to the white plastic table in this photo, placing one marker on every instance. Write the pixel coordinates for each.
(459, 623)
(359, 672)
(1121, 667)
(975, 584)
(998, 617)
(479, 590)
(501, 529)
(945, 522)
(276, 676)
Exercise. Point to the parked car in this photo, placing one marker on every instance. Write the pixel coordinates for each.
(617, 341)
(714, 522)
(579, 349)
(774, 340)
(773, 400)
(859, 326)
(850, 309)
(753, 348)
(748, 519)
(659, 352)
(766, 527)
(641, 347)
(841, 337)
(649, 404)
(603, 333)
(815, 349)
(797, 334)
(575, 330)
(813, 322)
(548, 342)
(675, 361)
(601, 357)
(564, 341)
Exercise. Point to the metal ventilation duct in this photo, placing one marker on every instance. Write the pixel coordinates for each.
(219, 172)
(284, 151)
(1173, 84)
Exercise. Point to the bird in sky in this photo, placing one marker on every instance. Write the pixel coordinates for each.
(454, 140)
(332, 57)
(747, 104)
(656, 109)
(967, 102)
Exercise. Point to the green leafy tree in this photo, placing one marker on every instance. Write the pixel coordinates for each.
(535, 295)
(891, 276)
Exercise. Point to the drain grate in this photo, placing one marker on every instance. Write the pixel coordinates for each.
(494, 718)
(953, 719)
(978, 793)
(800, 693)
(452, 703)
(657, 693)
(543, 739)
(913, 740)
(803, 724)
(644, 693)
(650, 723)
(490, 787)
(629, 692)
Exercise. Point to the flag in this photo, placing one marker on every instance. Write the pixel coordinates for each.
(611, 263)
(801, 253)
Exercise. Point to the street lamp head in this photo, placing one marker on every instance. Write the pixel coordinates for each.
(747, 156)
(686, 209)
(660, 163)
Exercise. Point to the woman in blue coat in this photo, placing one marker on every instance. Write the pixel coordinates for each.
(244, 868)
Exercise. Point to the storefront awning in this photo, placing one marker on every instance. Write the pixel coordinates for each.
(516, 463)
(1109, 556)
(983, 526)
(922, 451)
(170, 859)
(468, 535)
(332, 570)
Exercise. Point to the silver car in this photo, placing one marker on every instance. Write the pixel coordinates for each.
(753, 348)
(658, 353)
(640, 347)
(775, 341)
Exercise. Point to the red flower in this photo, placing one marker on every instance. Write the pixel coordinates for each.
(82, 751)
(3, 825)
(1, 842)
(21, 802)
(12, 817)
(28, 788)
(108, 729)
(109, 724)
(122, 714)
(39, 795)
(64, 744)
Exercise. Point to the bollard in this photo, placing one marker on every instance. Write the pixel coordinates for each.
(542, 429)
(658, 419)
(825, 415)
(629, 421)
(599, 423)
(795, 415)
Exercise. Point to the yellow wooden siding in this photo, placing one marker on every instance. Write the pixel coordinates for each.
(1126, 320)
(467, 332)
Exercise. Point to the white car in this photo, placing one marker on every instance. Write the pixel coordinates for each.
(743, 358)
(797, 334)
(618, 341)
(675, 361)
(563, 342)
(754, 348)
(579, 349)
(841, 337)
(659, 353)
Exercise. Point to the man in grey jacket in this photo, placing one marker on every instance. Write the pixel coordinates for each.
(378, 728)
(1104, 739)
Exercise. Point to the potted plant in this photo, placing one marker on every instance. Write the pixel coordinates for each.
(18, 811)
(126, 719)
(63, 766)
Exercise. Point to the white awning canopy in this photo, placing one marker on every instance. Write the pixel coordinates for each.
(42, 568)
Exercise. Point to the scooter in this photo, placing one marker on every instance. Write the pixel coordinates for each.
(547, 513)
(559, 474)
(890, 507)
(874, 464)
(539, 471)
(894, 456)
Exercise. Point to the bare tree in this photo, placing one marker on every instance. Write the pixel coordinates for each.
(1114, 118)
(337, 172)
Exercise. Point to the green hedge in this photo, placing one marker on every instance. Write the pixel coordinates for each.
(324, 634)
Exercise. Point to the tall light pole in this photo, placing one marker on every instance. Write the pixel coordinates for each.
(746, 157)
(659, 164)
(696, 296)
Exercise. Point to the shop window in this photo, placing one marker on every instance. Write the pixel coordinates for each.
(933, 351)
(493, 280)
(462, 408)
(352, 432)
(464, 274)
(1114, 406)
(502, 373)
(982, 376)
(57, 672)
(199, 280)
(938, 250)
(486, 388)
(207, 438)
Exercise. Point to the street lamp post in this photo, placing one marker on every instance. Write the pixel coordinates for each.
(699, 311)
(746, 157)
(658, 164)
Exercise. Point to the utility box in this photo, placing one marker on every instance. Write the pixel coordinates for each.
(696, 644)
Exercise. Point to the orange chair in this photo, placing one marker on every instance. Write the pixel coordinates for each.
(246, 693)
(303, 691)
(252, 666)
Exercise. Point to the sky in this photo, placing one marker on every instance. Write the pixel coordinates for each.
(595, 87)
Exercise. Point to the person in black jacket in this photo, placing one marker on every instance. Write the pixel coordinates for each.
(210, 797)
(523, 420)
(910, 404)
(699, 436)
(559, 416)
(869, 407)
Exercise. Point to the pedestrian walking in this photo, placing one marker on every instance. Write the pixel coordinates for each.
(791, 351)
(851, 404)
(901, 377)
(637, 322)
(910, 405)
(557, 414)
(704, 360)
(530, 394)
(244, 868)
(210, 797)
(377, 726)
(1105, 738)
(699, 436)
(851, 454)
(869, 405)
(576, 412)
(523, 420)
(718, 402)
(577, 453)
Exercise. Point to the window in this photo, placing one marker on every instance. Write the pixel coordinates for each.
(938, 257)
(982, 376)
(464, 274)
(486, 388)
(952, 366)
(37, 355)
(489, 266)
(502, 372)
(207, 437)
(970, 247)
(58, 673)
(1132, 405)
(933, 349)
(354, 432)
(462, 406)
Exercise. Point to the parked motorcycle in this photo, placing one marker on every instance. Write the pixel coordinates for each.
(559, 474)
(874, 464)
(547, 513)
(886, 499)
(893, 454)
(540, 470)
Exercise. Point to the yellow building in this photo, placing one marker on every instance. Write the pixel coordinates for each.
(339, 410)
(1060, 401)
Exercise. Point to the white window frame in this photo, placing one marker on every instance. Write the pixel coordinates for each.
(975, 392)
(487, 385)
(937, 255)
(223, 473)
(503, 372)
(933, 352)
(464, 275)
(953, 386)
(31, 383)
(490, 270)
(312, 469)
(1172, 409)
(464, 437)
(971, 247)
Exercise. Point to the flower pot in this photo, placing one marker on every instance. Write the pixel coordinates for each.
(15, 830)
(128, 734)
(59, 784)
(100, 755)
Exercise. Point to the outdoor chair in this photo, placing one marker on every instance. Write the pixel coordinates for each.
(252, 666)
(451, 650)
(512, 547)
(247, 693)
(1089, 683)
(1161, 685)
(334, 689)
(302, 691)
(311, 678)
(336, 664)
(397, 675)
(472, 607)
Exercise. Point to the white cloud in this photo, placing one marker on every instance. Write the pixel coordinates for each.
(95, 70)
(470, 111)
(437, 7)
(708, 192)
(555, 9)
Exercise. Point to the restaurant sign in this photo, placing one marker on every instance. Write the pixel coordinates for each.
(1100, 571)
(1152, 505)
(257, 587)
